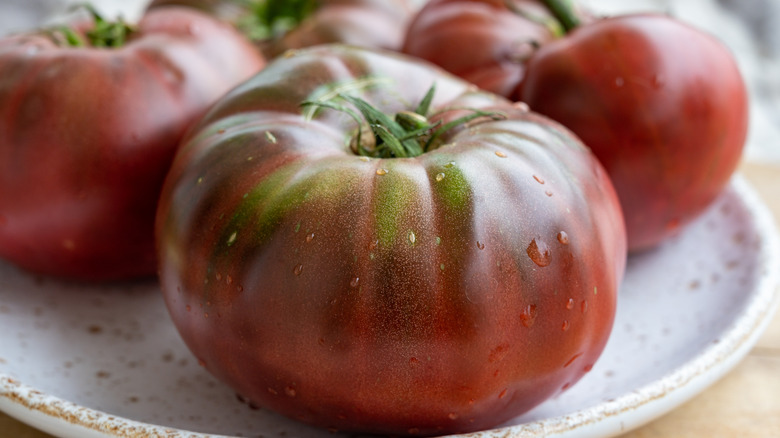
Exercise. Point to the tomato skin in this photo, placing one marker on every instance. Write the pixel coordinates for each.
(87, 136)
(662, 105)
(395, 296)
(483, 41)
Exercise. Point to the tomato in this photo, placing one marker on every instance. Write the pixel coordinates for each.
(280, 25)
(661, 104)
(443, 291)
(486, 42)
(87, 135)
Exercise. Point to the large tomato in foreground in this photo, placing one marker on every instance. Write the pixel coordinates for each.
(661, 104)
(443, 292)
(87, 135)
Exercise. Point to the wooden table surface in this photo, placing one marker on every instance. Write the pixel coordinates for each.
(744, 404)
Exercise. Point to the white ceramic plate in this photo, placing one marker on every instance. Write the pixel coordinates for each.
(84, 362)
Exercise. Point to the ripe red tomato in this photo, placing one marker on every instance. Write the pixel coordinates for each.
(486, 42)
(447, 291)
(87, 135)
(280, 25)
(661, 104)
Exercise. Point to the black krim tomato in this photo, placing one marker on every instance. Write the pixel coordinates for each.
(343, 244)
(662, 104)
(486, 42)
(90, 118)
(280, 25)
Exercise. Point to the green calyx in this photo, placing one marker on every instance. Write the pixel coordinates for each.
(104, 33)
(564, 11)
(267, 19)
(404, 135)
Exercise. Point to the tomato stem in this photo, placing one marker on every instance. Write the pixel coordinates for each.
(564, 11)
(104, 33)
(272, 18)
(405, 135)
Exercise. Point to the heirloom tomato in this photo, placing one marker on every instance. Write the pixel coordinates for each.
(660, 103)
(486, 42)
(90, 117)
(280, 25)
(456, 271)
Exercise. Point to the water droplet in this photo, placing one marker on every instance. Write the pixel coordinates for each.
(500, 154)
(309, 237)
(571, 361)
(584, 306)
(440, 176)
(272, 391)
(232, 239)
(354, 282)
(503, 393)
(539, 253)
(270, 137)
(528, 315)
(570, 304)
(290, 391)
(619, 82)
(480, 245)
(449, 165)
(412, 237)
(522, 106)
(565, 325)
(539, 179)
(218, 276)
(298, 269)
(229, 280)
(452, 416)
(365, 159)
(381, 171)
(563, 238)
(206, 315)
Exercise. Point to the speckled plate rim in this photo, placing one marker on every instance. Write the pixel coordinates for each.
(68, 420)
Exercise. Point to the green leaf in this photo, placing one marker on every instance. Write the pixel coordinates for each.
(425, 105)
